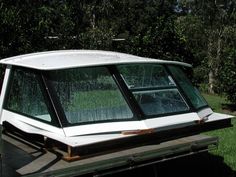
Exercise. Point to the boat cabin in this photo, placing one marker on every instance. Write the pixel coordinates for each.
(83, 97)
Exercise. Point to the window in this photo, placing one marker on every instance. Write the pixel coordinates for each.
(145, 76)
(89, 95)
(25, 96)
(154, 89)
(191, 92)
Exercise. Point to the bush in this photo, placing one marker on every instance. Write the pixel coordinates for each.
(227, 76)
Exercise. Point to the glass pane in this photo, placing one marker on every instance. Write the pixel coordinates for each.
(89, 95)
(160, 101)
(26, 97)
(153, 88)
(191, 92)
(145, 76)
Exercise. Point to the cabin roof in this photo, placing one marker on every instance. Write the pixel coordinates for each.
(63, 59)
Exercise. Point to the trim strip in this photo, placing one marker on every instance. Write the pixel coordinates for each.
(4, 89)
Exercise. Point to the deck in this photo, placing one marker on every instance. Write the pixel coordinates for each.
(21, 158)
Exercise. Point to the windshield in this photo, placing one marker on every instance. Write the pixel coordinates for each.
(26, 96)
(191, 92)
(101, 94)
(89, 95)
(154, 89)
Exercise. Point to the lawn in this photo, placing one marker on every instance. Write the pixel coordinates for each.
(227, 136)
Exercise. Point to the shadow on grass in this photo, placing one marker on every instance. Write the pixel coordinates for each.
(200, 165)
(229, 107)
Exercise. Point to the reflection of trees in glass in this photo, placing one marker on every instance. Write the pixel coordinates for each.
(145, 75)
(156, 102)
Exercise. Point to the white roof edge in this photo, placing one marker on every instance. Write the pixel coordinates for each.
(63, 59)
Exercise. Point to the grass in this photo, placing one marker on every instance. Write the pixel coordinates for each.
(227, 136)
(96, 99)
(216, 102)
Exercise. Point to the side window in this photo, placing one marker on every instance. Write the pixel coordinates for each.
(25, 96)
(191, 92)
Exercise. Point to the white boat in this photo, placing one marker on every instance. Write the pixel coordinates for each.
(84, 97)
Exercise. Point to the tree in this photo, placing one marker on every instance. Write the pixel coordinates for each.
(211, 20)
(227, 70)
(147, 27)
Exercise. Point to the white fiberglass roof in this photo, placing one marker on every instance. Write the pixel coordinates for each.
(63, 59)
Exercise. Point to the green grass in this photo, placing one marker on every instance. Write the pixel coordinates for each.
(215, 102)
(96, 99)
(227, 136)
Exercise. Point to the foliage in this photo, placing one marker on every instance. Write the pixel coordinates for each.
(146, 27)
(96, 39)
(227, 75)
(209, 30)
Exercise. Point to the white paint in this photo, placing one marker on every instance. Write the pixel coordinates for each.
(17, 119)
(173, 120)
(3, 91)
(63, 59)
(218, 116)
(205, 112)
(104, 128)
(159, 122)
(78, 135)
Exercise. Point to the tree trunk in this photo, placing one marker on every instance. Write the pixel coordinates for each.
(211, 81)
(214, 59)
(218, 54)
(210, 57)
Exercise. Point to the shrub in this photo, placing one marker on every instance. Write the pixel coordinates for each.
(227, 76)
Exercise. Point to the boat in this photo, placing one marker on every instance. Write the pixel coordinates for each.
(92, 99)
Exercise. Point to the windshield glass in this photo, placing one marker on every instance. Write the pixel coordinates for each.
(145, 76)
(191, 92)
(26, 96)
(89, 95)
(153, 88)
(99, 94)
